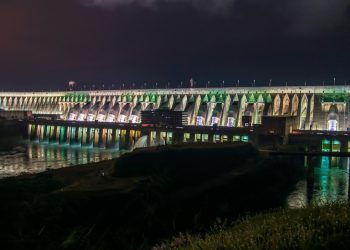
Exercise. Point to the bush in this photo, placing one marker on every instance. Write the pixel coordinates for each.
(326, 227)
(188, 159)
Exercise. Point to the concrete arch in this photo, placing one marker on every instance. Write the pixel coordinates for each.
(295, 105)
(225, 110)
(114, 99)
(312, 106)
(125, 113)
(303, 112)
(196, 109)
(15, 102)
(211, 105)
(276, 105)
(9, 104)
(25, 103)
(286, 105)
(171, 102)
(134, 100)
(5, 102)
(124, 99)
(30, 103)
(114, 112)
(20, 103)
(242, 108)
(190, 109)
(182, 105)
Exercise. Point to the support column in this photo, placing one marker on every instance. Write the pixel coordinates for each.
(33, 133)
(191, 137)
(88, 137)
(149, 138)
(53, 135)
(344, 146)
(177, 137)
(211, 137)
(63, 136)
(100, 139)
(114, 136)
(127, 140)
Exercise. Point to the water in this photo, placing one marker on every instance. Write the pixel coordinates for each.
(37, 157)
(329, 183)
(330, 180)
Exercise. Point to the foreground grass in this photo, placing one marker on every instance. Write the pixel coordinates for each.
(326, 227)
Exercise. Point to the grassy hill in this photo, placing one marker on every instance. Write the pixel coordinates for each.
(326, 227)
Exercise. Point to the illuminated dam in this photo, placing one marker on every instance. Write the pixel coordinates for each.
(112, 118)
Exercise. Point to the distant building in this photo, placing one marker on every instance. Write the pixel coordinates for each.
(164, 118)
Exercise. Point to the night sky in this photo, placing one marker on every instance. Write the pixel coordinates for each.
(46, 43)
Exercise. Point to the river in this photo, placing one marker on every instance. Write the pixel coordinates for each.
(34, 157)
(329, 183)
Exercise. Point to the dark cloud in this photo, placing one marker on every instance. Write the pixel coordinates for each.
(44, 43)
(216, 6)
(317, 16)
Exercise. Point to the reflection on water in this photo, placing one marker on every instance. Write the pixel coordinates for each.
(37, 157)
(329, 183)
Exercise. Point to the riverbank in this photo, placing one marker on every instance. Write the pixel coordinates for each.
(315, 227)
(143, 197)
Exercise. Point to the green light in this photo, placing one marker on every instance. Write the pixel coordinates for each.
(129, 98)
(205, 99)
(325, 162)
(268, 99)
(191, 99)
(245, 138)
(63, 129)
(220, 99)
(336, 146)
(326, 145)
(153, 98)
(335, 96)
(251, 98)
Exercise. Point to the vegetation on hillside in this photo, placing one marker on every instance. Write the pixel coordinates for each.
(315, 227)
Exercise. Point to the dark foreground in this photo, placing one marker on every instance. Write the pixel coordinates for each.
(143, 198)
(315, 227)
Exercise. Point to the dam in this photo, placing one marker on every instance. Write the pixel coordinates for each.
(112, 118)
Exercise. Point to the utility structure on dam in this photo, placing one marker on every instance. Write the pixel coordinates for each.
(113, 118)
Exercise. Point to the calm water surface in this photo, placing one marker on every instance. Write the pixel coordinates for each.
(329, 183)
(38, 157)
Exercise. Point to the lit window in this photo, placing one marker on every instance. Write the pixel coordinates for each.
(332, 125)
(199, 121)
(230, 122)
(214, 120)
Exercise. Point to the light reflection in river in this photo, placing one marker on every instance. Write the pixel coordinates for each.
(38, 157)
(329, 183)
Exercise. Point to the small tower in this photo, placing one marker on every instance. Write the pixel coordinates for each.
(71, 85)
(191, 83)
